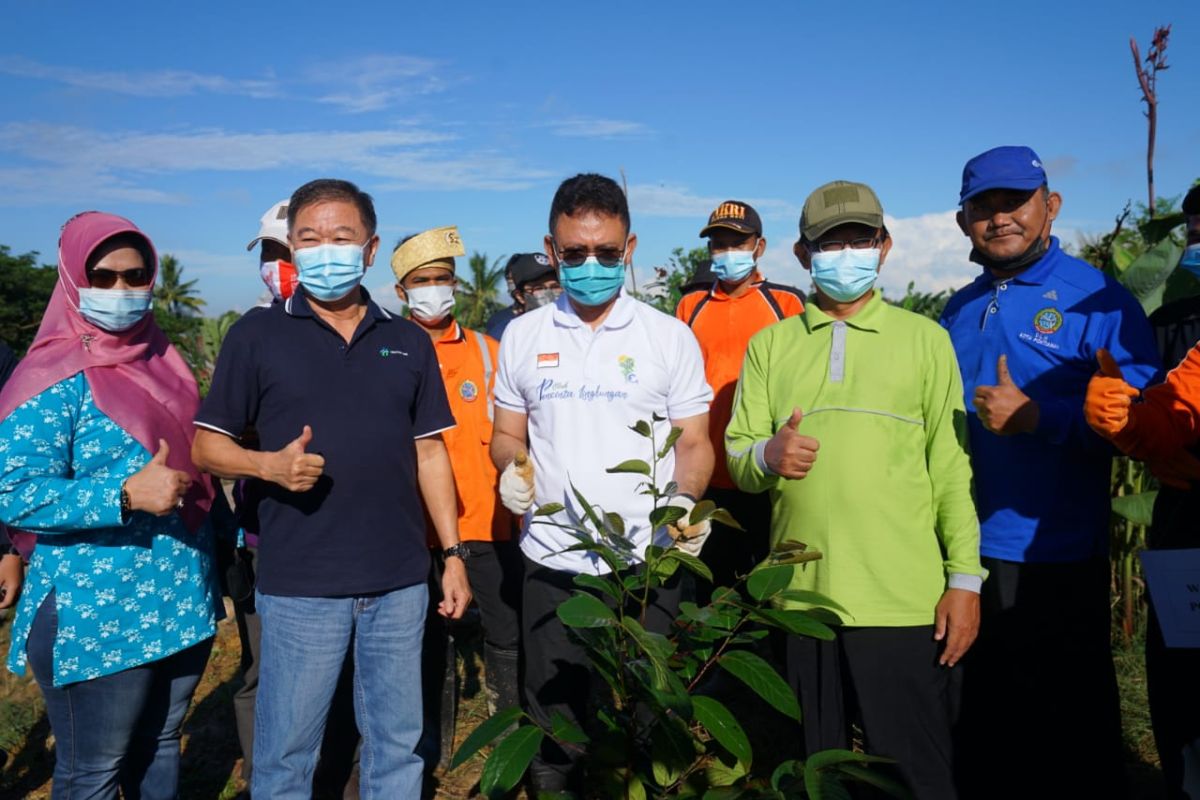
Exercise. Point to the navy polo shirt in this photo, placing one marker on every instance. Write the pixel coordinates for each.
(361, 529)
(1044, 496)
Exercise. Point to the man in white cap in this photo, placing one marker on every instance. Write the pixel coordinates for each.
(275, 256)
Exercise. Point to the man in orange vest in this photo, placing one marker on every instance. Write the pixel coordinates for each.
(424, 268)
(723, 316)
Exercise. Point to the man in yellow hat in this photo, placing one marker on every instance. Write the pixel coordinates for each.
(424, 268)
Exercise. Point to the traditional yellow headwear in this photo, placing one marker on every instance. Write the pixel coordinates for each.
(436, 245)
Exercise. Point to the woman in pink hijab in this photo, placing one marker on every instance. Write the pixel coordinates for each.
(120, 603)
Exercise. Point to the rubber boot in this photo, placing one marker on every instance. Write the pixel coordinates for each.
(501, 669)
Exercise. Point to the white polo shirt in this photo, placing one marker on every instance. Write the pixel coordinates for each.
(582, 389)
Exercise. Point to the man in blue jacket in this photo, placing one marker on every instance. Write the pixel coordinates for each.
(1040, 685)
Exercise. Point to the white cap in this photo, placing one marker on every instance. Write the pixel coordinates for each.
(273, 225)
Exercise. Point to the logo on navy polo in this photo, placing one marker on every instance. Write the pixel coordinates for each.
(1047, 321)
(384, 352)
(468, 391)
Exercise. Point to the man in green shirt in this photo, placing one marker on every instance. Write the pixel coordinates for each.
(851, 417)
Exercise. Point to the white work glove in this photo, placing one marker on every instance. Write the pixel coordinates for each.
(688, 538)
(516, 484)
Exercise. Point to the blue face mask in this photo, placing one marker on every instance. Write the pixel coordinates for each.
(847, 274)
(114, 310)
(329, 272)
(591, 283)
(733, 265)
(1191, 259)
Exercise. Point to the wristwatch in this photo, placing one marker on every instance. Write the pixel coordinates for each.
(460, 550)
(126, 505)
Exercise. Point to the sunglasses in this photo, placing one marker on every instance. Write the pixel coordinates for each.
(575, 256)
(107, 278)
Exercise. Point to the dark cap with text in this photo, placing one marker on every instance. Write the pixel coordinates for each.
(736, 216)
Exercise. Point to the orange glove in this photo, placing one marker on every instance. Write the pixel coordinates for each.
(1108, 402)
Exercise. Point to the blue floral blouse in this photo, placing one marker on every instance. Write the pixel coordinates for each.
(127, 594)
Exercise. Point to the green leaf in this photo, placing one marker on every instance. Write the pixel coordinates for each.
(641, 428)
(616, 525)
(725, 518)
(488, 730)
(632, 465)
(563, 730)
(672, 750)
(587, 508)
(690, 561)
(582, 610)
(1155, 229)
(701, 511)
(509, 760)
(664, 568)
(724, 771)
(665, 515)
(672, 437)
(655, 645)
(634, 790)
(719, 722)
(821, 772)
(654, 415)
(767, 581)
(602, 585)
(548, 509)
(810, 598)
(1137, 508)
(763, 679)
(795, 621)
(1146, 277)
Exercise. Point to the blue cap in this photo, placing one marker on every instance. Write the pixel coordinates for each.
(1006, 167)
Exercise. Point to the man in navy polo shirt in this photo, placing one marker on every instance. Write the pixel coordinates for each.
(1040, 684)
(348, 405)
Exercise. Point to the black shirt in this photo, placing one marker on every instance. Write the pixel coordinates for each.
(361, 529)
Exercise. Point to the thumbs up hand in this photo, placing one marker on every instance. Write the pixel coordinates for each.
(1109, 398)
(789, 453)
(156, 488)
(1004, 409)
(293, 468)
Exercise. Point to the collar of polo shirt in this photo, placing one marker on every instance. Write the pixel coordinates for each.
(619, 316)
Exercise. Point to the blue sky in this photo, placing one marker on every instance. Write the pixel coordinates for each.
(192, 123)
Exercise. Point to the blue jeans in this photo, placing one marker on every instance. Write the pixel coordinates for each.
(116, 731)
(304, 642)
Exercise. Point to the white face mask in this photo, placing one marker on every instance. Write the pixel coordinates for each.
(431, 303)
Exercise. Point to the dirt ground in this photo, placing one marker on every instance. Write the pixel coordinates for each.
(212, 759)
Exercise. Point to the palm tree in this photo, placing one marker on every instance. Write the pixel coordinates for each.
(171, 294)
(479, 294)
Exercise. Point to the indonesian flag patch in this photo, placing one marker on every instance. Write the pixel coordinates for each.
(547, 360)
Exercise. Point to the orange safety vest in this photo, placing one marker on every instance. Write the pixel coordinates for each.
(723, 325)
(467, 362)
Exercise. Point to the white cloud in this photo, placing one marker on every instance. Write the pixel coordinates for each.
(928, 250)
(158, 83)
(91, 160)
(669, 200)
(374, 82)
(595, 128)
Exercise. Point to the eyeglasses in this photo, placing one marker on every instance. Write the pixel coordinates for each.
(107, 278)
(837, 245)
(575, 256)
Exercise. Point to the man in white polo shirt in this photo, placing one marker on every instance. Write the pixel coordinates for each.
(572, 378)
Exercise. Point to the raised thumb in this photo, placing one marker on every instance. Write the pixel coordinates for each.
(303, 439)
(164, 450)
(1002, 375)
(794, 420)
(1108, 364)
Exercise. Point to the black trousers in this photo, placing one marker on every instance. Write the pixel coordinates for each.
(558, 675)
(1039, 688)
(891, 678)
(729, 552)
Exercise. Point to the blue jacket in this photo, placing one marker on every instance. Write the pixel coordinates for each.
(1044, 496)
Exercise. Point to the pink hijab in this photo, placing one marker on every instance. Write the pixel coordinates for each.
(137, 378)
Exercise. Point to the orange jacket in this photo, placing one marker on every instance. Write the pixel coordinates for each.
(470, 382)
(1168, 418)
(723, 325)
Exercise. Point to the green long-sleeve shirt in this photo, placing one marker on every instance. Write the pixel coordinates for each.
(888, 500)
